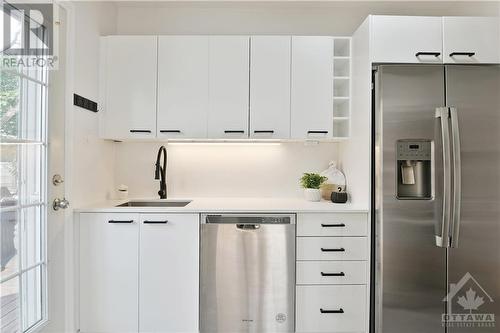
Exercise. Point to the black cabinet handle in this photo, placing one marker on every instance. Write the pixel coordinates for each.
(170, 131)
(120, 221)
(436, 54)
(332, 274)
(139, 131)
(338, 225)
(469, 54)
(332, 311)
(155, 222)
(317, 132)
(341, 249)
(261, 131)
(234, 131)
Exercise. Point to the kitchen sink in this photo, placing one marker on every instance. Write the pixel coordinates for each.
(158, 203)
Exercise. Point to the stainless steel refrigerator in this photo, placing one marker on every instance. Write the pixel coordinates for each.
(436, 198)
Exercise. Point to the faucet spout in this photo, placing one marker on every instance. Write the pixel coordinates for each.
(161, 171)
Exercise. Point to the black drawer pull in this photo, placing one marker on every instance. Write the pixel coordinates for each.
(333, 250)
(170, 131)
(436, 54)
(140, 131)
(469, 54)
(332, 311)
(317, 132)
(332, 274)
(262, 132)
(233, 131)
(155, 222)
(121, 221)
(332, 225)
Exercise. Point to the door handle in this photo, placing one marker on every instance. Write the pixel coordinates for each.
(155, 222)
(60, 204)
(338, 225)
(457, 177)
(248, 226)
(436, 54)
(469, 54)
(332, 311)
(341, 249)
(332, 274)
(121, 221)
(443, 240)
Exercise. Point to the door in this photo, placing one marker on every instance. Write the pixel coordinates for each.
(109, 272)
(129, 87)
(270, 87)
(247, 275)
(228, 87)
(182, 86)
(169, 273)
(312, 87)
(411, 270)
(471, 40)
(473, 91)
(407, 39)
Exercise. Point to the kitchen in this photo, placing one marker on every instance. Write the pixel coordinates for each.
(216, 232)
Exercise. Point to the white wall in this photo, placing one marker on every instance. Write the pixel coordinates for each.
(93, 158)
(283, 17)
(222, 170)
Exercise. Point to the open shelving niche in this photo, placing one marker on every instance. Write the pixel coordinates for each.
(341, 87)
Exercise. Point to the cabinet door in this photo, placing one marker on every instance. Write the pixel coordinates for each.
(471, 40)
(406, 39)
(270, 87)
(169, 270)
(228, 87)
(109, 247)
(128, 92)
(312, 87)
(182, 86)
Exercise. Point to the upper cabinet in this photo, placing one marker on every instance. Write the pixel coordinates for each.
(406, 39)
(228, 82)
(128, 87)
(312, 87)
(471, 40)
(182, 86)
(270, 87)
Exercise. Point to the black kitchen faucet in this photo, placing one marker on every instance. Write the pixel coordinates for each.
(161, 172)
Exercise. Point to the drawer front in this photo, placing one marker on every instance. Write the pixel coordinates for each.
(331, 309)
(338, 224)
(332, 248)
(331, 272)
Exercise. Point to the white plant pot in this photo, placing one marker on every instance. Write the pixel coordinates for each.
(312, 194)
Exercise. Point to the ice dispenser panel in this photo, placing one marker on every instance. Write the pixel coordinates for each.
(414, 169)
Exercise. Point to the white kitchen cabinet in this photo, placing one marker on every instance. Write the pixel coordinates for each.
(182, 86)
(228, 87)
(270, 87)
(471, 40)
(109, 272)
(312, 87)
(406, 39)
(169, 273)
(128, 87)
(331, 309)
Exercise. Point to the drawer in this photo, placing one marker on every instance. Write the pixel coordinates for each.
(331, 272)
(331, 309)
(336, 224)
(332, 248)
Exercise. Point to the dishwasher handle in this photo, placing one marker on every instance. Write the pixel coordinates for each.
(248, 226)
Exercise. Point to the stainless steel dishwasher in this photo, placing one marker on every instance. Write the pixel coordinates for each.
(247, 273)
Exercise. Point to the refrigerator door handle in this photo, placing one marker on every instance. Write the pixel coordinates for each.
(442, 115)
(457, 177)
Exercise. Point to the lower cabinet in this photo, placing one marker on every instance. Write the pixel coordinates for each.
(138, 272)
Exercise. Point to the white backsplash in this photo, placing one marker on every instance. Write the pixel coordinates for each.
(222, 169)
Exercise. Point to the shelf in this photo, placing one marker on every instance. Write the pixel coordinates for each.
(342, 47)
(340, 118)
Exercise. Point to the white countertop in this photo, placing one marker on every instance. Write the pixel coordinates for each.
(235, 205)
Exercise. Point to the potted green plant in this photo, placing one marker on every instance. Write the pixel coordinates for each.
(311, 183)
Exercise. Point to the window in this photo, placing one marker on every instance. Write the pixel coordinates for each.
(23, 209)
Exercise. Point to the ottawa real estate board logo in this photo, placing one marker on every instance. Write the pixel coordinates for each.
(29, 35)
(467, 305)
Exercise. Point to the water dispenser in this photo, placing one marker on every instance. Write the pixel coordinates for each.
(414, 169)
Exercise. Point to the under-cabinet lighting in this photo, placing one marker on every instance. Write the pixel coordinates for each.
(223, 143)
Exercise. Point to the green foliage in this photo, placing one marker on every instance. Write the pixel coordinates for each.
(9, 101)
(312, 180)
